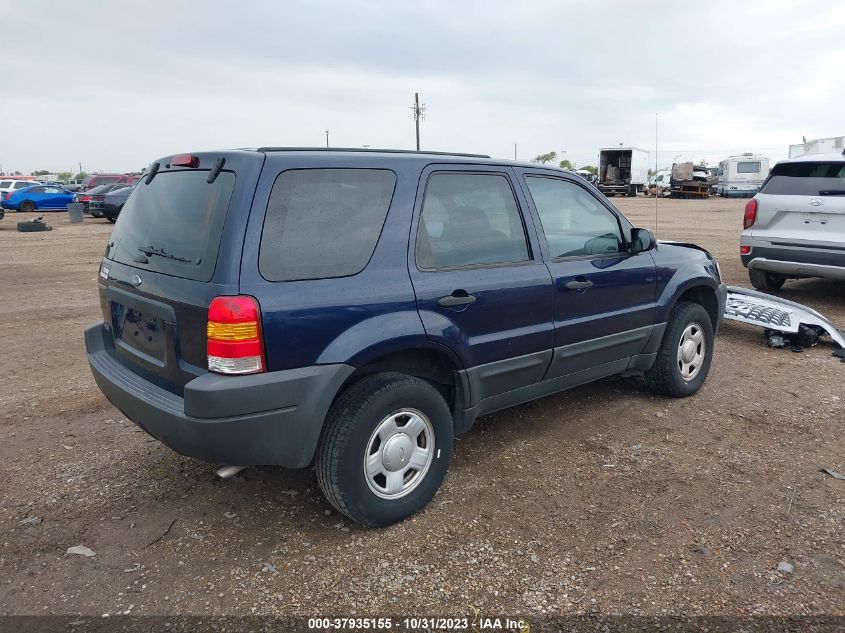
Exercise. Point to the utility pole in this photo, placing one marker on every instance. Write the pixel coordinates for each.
(514, 151)
(419, 113)
(327, 138)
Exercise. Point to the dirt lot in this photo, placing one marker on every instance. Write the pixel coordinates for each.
(603, 499)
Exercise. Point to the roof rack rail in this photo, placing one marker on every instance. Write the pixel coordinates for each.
(359, 149)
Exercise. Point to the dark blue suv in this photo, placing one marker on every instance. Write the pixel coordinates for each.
(358, 309)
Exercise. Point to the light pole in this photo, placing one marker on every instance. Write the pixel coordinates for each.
(327, 138)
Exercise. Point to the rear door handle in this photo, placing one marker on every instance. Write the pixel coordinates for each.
(579, 285)
(453, 301)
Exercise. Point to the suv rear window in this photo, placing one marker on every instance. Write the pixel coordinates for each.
(323, 223)
(178, 215)
(806, 179)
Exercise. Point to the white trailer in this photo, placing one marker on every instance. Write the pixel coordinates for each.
(740, 176)
(622, 170)
(827, 145)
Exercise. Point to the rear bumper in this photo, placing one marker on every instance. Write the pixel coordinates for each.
(272, 418)
(793, 262)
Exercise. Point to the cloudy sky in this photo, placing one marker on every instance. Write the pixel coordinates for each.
(114, 85)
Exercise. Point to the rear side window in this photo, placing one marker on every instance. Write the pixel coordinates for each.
(174, 223)
(748, 167)
(24, 184)
(468, 220)
(323, 223)
(806, 179)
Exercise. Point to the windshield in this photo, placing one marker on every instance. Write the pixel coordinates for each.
(173, 225)
(806, 179)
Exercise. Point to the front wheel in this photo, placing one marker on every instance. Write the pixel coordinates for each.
(683, 360)
(27, 206)
(385, 448)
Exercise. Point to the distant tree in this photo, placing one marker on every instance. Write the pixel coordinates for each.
(64, 175)
(593, 170)
(17, 173)
(80, 176)
(567, 164)
(40, 172)
(545, 158)
(651, 173)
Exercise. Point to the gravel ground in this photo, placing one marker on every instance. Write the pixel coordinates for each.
(604, 499)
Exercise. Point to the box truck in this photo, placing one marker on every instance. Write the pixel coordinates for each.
(622, 170)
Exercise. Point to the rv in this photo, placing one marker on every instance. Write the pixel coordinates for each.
(622, 170)
(818, 146)
(741, 176)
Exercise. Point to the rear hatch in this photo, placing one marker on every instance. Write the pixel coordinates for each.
(802, 203)
(177, 244)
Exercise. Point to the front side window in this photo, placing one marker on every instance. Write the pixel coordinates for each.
(748, 167)
(467, 220)
(323, 223)
(574, 222)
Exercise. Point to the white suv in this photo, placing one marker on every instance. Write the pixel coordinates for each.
(795, 225)
(8, 186)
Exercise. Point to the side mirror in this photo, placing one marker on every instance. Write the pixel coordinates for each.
(642, 240)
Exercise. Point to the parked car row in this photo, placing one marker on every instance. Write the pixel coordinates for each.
(32, 195)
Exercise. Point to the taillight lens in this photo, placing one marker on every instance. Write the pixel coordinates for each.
(750, 213)
(744, 250)
(235, 344)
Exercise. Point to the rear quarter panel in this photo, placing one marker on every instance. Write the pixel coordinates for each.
(345, 319)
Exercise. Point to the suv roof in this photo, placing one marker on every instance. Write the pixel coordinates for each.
(401, 154)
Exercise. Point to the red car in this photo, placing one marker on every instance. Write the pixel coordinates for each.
(95, 180)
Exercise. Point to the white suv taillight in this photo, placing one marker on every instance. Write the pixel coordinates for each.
(235, 344)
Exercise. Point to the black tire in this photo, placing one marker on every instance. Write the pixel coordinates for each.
(766, 281)
(665, 375)
(32, 227)
(349, 428)
(27, 206)
(111, 219)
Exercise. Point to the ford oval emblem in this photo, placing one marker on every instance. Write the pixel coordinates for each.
(816, 202)
(136, 280)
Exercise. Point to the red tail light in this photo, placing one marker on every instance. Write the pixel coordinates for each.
(744, 250)
(750, 213)
(185, 160)
(235, 344)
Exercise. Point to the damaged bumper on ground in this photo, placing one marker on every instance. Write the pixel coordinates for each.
(774, 313)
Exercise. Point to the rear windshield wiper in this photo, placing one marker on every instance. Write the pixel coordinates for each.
(832, 192)
(152, 250)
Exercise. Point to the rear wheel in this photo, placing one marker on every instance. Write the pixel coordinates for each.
(763, 280)
(27, 206)
(683, 360)
(385, 448)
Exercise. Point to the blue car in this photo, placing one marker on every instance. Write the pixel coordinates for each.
(39, 197)
(358, 309)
